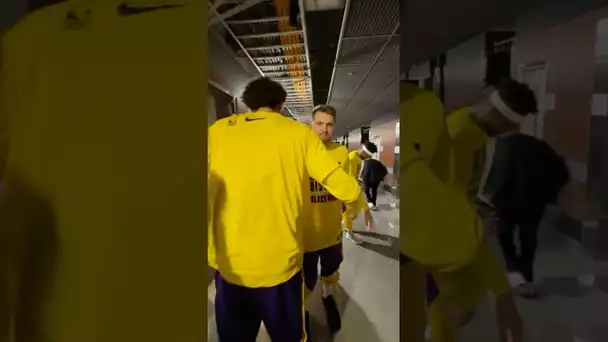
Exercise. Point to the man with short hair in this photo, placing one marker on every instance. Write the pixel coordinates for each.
(260, 165)
(324, 244)
(353, 167)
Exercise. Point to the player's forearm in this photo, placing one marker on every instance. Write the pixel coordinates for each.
(362, 202)
(343, 187)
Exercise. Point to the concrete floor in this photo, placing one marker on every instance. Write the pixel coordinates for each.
(369, 288)
(573, 301)
(572, 307)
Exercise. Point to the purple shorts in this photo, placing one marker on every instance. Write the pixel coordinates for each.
(330, 259)
(239, 311)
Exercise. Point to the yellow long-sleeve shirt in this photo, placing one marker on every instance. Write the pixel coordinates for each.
(441, 229)
(104, 196)
(353, 168)
(467, 140)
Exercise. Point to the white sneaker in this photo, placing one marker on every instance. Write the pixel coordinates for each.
(352, 237)
(515, 279)
(327, 289)
(370, 205)
(527, 290)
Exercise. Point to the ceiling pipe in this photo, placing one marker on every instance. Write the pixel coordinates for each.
(305, 36)
(342, 30)
(257, 21)
(229, 30)
(227, 27)
(369, 71)
(216, 6)
(388, 84)
(233, 11)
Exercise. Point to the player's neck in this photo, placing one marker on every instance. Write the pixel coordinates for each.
(266, 109)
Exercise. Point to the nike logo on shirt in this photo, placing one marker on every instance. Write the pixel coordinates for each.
(253, 119)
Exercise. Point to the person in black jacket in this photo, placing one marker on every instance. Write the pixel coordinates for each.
(373, 174)
(525, 175)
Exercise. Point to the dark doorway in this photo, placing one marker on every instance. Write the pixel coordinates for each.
(498, 54)
(364, 134)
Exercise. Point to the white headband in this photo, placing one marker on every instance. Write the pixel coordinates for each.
(500, 105)
(366, 150)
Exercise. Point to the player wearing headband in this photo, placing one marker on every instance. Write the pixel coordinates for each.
(521, 176)
(441, 218)
(475, 132)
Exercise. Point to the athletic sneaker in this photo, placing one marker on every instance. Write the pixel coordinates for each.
(352, 237)
(527, 290)
(515, 279)
(334, 322)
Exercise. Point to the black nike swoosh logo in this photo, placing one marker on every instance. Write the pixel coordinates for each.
(126, 10)
(254, 119)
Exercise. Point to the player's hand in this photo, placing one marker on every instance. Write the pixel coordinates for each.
(510, 325)
(352, 211)
(369, 220)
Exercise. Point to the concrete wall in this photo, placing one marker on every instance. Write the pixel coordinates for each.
(464, 73)
(222, 102)
(385, 128)
(354, 139)
(562, 35)
(548, 13)
(211, 115)
(226, 69)
(568, 51)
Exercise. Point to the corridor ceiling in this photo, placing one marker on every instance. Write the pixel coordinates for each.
(365, 80)
(431, 27)
(261, 31)
(349, 53)
(363, 76)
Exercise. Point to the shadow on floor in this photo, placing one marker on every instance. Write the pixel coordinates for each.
(601, 283)
(356, 326)
(567, 287)
(386, 207)
(388, 249)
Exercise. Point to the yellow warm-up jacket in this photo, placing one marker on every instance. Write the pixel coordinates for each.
(441, 230)
(102, 131)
